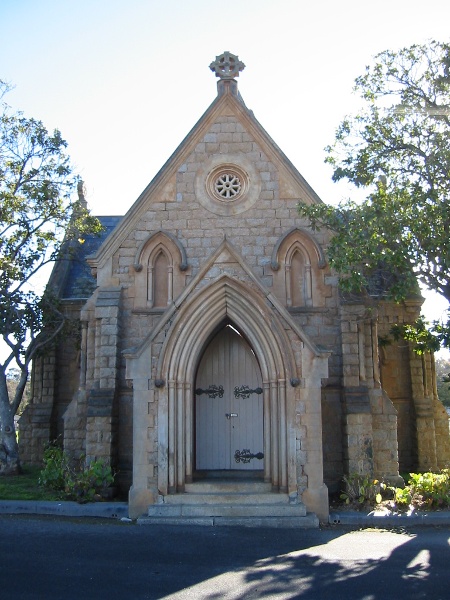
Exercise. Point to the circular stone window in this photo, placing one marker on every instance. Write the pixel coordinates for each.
(227, 185)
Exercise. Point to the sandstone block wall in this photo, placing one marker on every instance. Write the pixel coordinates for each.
(360, 424)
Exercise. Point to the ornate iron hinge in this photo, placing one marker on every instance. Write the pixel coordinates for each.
(244, 391)
(213, 391)
(245, 456)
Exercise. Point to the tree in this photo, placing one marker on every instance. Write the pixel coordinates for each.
(442, 380)
(39, 221)
(398, 149)
(12, 381)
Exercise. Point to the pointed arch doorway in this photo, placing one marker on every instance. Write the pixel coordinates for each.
(229, 414)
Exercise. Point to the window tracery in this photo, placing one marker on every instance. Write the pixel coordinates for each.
(159, 264)
(298, 277)
(298, 261)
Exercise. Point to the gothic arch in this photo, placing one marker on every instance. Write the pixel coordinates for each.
(298, 262)
(226, 300)
(158, 281)
(308, 240)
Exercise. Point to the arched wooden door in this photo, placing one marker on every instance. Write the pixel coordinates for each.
(229, 406)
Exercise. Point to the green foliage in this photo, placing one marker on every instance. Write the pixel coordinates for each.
(430, 489)
(37, 212)
(366, 249)
(361, 489)
(443, 380)
(87, 484)
(402, 496)
(25, 486)
(40, 223)
(423, 490)
(398, 148)
(82, 482)
(442, 331)
(56, 468)
(402, 130)
(422, 338)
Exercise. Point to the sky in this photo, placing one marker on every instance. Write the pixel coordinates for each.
(125, 81)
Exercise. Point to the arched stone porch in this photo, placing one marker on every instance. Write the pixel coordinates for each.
(291, 374)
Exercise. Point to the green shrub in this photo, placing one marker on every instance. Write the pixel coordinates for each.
(402, 496)
(56, 468)
(361, 489)
(81, 482)
(90, 482)
(430, 489)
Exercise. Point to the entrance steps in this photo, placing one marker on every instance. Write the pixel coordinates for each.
(244, 503)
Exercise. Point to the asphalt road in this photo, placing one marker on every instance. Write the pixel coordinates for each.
(52, 558)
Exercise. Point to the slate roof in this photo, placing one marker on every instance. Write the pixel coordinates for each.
(78, 281)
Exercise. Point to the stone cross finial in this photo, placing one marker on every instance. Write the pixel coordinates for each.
(227, 66)
(81, 189)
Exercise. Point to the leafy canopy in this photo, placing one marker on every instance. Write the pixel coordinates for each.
(398, 149)
(38, 220)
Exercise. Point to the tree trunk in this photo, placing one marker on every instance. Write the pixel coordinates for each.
(9, 448)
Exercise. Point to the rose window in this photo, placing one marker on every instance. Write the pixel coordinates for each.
(227, 185)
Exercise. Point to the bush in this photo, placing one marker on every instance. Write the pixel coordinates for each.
(82, 482)
(427, 489)
(90, 482)
(361, 489)
(430, 490)
(402, 496)
(56, 468)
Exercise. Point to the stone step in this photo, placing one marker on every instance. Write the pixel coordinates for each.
(229, 487)
(229, 502)
(226, 510)
(224, 498)
(308, 521)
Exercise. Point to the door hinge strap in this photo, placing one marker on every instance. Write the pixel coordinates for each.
(213, 391)
(245, 456)
(244, 391)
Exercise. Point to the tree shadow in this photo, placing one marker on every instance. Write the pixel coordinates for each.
(105, 560)
(412, 570)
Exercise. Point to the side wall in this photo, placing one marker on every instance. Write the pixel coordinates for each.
(54, 381)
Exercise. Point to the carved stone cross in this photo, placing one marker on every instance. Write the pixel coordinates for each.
(227, 66)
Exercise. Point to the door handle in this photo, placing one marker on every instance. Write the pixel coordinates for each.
(229, 415)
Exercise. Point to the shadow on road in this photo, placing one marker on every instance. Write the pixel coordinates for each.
(402, 566)
(56, 558)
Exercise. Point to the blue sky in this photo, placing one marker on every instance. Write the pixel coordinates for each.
(126, 81)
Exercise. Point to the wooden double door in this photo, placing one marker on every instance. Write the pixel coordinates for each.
(229, 416)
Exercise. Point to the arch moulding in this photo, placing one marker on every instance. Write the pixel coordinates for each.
(226, 301)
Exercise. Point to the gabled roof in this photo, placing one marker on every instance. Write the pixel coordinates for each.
(72, 277)
(228, 101)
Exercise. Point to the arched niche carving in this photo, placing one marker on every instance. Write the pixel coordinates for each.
(159, 265)
(299, 264)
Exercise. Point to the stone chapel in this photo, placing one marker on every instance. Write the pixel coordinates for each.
(218, 369)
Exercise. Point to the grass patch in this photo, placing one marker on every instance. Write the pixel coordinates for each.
(25, 486)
